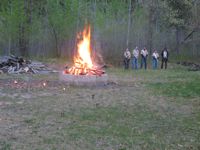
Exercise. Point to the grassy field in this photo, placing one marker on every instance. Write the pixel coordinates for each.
(153, 110)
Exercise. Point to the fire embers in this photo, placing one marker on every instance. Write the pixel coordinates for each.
(84, 71)
(83, 64)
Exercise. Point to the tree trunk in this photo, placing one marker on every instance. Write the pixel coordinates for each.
(23, 28)
(22, 40)
(9, 46)
(30, 11)
(150, 27)
(193, 46)
(56, 42)
(150, 37)
(177, 41)
(77, 26)
(129, 24)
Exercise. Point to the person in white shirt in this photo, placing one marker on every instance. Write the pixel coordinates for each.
(155, 57)
(144, 54)
(127, 57)
(135, 58)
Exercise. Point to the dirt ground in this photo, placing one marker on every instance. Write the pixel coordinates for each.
(41, 112)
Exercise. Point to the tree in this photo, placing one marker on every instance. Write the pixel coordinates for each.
(178, 14)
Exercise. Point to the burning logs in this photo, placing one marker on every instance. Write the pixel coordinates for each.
(96, 72)
(18, 65)
(95, 76)
(84, 71)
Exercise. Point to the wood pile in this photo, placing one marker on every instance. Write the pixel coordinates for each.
(18, 65)
(192, 66)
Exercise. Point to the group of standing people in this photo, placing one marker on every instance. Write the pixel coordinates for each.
(134, 57)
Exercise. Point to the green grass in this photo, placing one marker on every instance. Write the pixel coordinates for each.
(175, 82)
(178, 89)
(131, 127)
(178, 84)
(152, 109)
(174, 58)
(5, 146)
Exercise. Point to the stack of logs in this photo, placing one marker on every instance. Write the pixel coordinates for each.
(18, 65)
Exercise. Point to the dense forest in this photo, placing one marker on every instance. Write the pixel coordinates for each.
(48, 28)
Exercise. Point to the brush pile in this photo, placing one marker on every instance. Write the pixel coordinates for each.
(18, 65)
(191, 66)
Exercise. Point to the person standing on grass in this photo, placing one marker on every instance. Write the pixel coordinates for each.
(165, 56)
(135, 58)
(155, 57)
(127, 57)
(144, 54)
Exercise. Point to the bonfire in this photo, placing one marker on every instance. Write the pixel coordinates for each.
(83, 63)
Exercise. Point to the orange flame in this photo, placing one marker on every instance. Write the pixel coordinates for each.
(84, 50)
(83, 61)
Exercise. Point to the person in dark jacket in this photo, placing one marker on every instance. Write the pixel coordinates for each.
(144, 53)
(165, 56)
